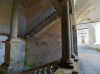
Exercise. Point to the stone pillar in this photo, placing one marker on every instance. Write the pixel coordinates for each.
(75, 40)
(71, 31)
(75, 49)
(14, 19)
(72, 20)
(14, 47)
(66, 60)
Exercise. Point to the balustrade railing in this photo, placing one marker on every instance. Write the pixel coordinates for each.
(45, 69)
(48, 12)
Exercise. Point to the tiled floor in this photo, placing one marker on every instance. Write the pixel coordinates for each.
(89, 60)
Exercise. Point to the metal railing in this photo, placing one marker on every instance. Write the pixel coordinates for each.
(48, 12)
(45, 69)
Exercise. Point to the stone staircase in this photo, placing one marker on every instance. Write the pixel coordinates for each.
(48, 16)
(41, 22)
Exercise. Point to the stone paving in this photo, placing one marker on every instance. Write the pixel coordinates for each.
(89, 60)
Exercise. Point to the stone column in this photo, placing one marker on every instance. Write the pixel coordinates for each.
(75, 40)
(14, 47)
(66, 60)
(14, 19)
(71, 23)
(74, 33)
(71, 31)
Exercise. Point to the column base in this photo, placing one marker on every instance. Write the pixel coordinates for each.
(12, 69)
(3, 69)
(75, 72)
(73, 55)
(66, 64)
(76, 59)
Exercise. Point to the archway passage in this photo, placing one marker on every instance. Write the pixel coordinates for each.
(88, 48)
(89, 51)
(82, 35)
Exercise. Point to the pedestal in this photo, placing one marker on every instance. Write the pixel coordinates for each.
(68, 64)
(14, 61)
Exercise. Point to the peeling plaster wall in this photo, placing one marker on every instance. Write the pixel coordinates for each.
(5, 17)
(45, 47)
(5, 12)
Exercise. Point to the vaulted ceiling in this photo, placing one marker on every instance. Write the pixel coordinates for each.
(87, 11)
(81, 7)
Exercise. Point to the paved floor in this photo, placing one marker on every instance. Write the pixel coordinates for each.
(89, 60)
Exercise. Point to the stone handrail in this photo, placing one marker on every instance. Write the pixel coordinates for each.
(45, 69)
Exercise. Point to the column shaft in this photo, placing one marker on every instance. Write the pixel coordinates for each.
(75, 40)
(14, 19)
(66, 39)
(74, 32)
(71, 31)
(65, 28)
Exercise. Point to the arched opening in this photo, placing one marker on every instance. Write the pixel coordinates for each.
(82, 34)
(88, 41)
